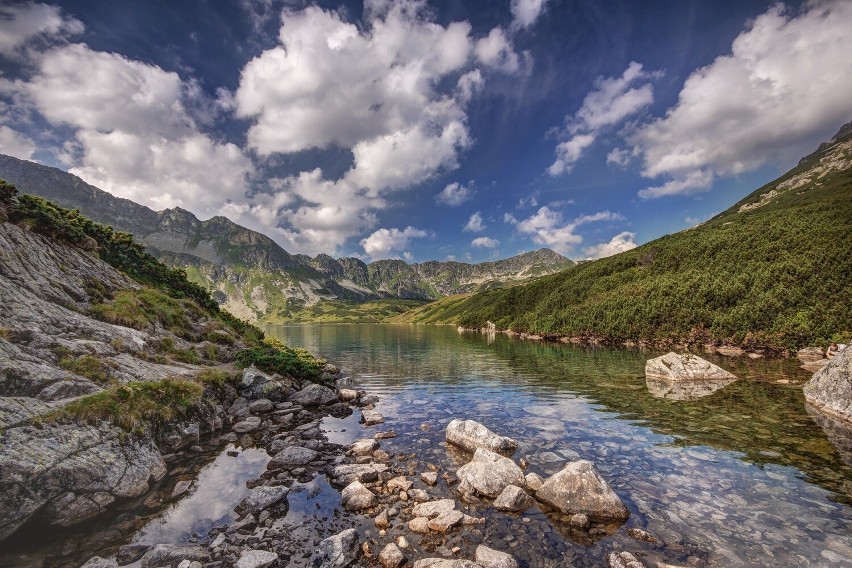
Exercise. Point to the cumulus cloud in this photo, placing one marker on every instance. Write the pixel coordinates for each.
(474, 224)
(454, 194)
(23, 23)
(495, 50)
(526, 12)
(388, 243)
(611, 101)
(785, 85)
(14, 143)
(484, 242)
(548, 227)
(621, 242)
(528, 201)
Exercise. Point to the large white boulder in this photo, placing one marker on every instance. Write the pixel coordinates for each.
(579, 488)
(470, 435)
(488, 474)
(830, 389)
(686, 367)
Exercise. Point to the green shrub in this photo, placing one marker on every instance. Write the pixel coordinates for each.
(272, 356)
(216, 378)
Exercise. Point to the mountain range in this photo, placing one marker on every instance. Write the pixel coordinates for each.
(255, 278)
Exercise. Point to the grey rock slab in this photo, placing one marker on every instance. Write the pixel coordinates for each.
(471, 435)
(98, 562)
(356, 497)
(17, 410)
(130, 553)
(314, 395)
(171, 555)
(513, 499)
(488, 474)
(579, 488)
(829, 391)
(347, 473)
(490, 558)
(371, 417)
(260, 405)
(336, 551)
(293, 456)
(250, 424)
(686, 367)
(433, 508)
(255, 559)
(363, 447)
(262, 497)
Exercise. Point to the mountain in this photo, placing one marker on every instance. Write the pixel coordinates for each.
(771, 272)
(256, 279)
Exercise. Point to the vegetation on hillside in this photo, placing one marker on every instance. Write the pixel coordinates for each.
(776, 276)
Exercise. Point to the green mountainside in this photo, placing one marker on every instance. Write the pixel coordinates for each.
(773, 271)
(256, 279)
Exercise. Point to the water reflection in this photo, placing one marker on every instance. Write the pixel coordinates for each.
(684, 390)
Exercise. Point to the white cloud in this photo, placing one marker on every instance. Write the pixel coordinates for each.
(611, 101)
(474, 224)
(509, 219)
(386, 243)
(528, 201)
(620, 157)
(547, 227)
(785, 85)
(484, 242)
(495, 50)
(621, 242)
(526, 12)
(23, 23)
(454, 194)
(14, 143)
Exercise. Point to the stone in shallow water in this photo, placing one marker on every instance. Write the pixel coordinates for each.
(433, 508)
(371, 417)
(261, 498)
(623, 560)
(513, 499)
(830, 389)
(445, 521)
(293, 456)
(391, 556)
(250, 424)
(172, 555)
(674, 367)
(399, 484)
(98, 562)
(314, 395)
(255, 559)
(356, 496)
(471, 435)
(579, 488)
(365, 473)
(419, 525)
(490, 558)
(444, 563)
(363, 447)
(337, 551)
(533, 481)
(488, 474)
(429, 477)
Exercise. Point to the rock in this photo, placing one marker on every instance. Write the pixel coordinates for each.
(579, 488)
(533, 481)
(580, 521)
(730, 351)
(261, 498)
(419, 525)
(381, 521)
(674, 367)
(830, 389)
(641, 535)
(385, 435)
(98, 562)
(181, 487)
(314, 395)
(513, 499)
(363, 447)
(190, 564)
(356, 496)
(181, 435)
(623, 560)
(488, 474)
(260, 405)
(371, 417)
(433, 508)
(250, 424)
(391, 556)
(429, 477)
(402, 542)
(810, 354)
(399, 484)
(418, 495)
(337, 551)
(293, 456)
(470, 435)
(490, 558)
(444, 563)
(255, 559)
(347, 395)
(172, 554)
(130, 553)
(445, 521)
(366, 473)
(814, 366)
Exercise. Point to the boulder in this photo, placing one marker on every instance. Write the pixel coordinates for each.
(371, 417)
(347, 395)
(347, 473)
(490, 558)
(433, 508)
(261, 498)
(533, 481)
(292, 456)
(579, 488)
(391, 556)
(363, 447)
(250, 424)
(356, 496)
(623, 560)
(314, 395)
(445, 521)
(173, 554)
(98, 562)
(336, 551)
(810, 354)
(400, 484)
(830, 389)
(255, 559)
(429, 477)
(513, 499)
(674, 367)
(471, 435)
(444, 563)
(488, 474)
(260, 405)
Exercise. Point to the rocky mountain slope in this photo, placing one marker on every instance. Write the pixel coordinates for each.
(771, 272)
(252, 276)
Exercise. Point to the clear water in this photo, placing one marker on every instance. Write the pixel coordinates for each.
(738, 476)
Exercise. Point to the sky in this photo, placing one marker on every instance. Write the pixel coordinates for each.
(443, 129)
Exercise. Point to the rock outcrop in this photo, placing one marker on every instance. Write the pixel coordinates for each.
(470, 435)
(673, 367)
(830, 389)
(579, 488)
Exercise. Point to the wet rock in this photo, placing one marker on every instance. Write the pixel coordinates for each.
(260, 405)
(533, 481)
(363, 447)
(429, 477)
(337, 551)
(810, 354)
(399, 484)
(181, 487)
(471, 435)
(580, 521)
(623, 560)
(347, 395)
(579, 488)
(641, 535)
(171, 555)
(371, 417)
(292, 456)
(433, 508)
(385, 435)
(445, 521)
(488, 474)
(381, 521)
(830, 389)
(444, 563)
(490, 558)
(391, 556)
(314, 395)
(130, 553)
(255, 559)
(261, 498)
(513, 499)
(177, 436)
(418, 495)
(347, 473)
(419, 525)
(250, 424)
(402, 542)
(356, 496)
(674, 367)
(98, 562)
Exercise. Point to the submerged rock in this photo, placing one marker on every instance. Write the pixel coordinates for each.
(444, 563)
(490, 558)
(255, 559)
(579, 488)
(513, 499)
(488, 474)
(371, 417)
(685, 389)
(830, 389)
(471, 435)
(674, 367)
(261, 498)
(337, 551)
(623, 560)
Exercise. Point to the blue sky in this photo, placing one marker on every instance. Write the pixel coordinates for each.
(428, 130)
